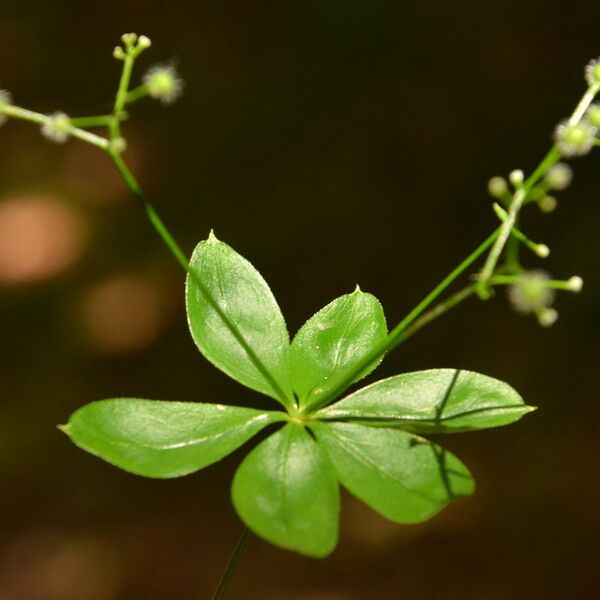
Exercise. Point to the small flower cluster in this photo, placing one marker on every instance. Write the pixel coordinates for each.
(557, 178)
(133, 44)
(576, 138)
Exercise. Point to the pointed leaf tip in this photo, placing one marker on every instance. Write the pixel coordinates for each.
(333, 341)
(235, 320)
(212, 237)
(433, 401)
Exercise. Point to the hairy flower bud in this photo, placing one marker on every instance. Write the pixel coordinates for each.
(497, 187)
(559, 176)
(531, 292)
(547, 317)
(57, 127)
(164, 83)
(575, 139)
(547, 204)
(593, 115)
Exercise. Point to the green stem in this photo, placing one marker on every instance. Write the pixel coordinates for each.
(395, 337)
(180, 256)
(94, 121)
(517, 236)
(435, 312)
(121, 97)
(137, 94)
(23, 114)
(555, 284)
(233, 564)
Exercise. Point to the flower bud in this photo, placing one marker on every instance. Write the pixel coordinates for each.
(547, 317)
(129, 39)
(575, 139)
(516, 177)
(559, 176)
(547, 204)
(57, 127)
(542, 250)
(119, 53)
(593, 115)
(497, 187)
(575, 284)
(163, 83)
(531, 292)
(144, 41)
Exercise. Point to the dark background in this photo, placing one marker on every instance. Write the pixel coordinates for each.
(331, 143)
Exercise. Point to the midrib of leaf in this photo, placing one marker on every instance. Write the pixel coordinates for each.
(440, 419)
(254, 359)
(283, 475)
(123, 443)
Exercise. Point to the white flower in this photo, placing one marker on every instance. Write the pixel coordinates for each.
(531, 293)
(575, 139)
(57, 127)
(164, 83)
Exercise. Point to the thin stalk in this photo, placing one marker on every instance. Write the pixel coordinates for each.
(94, 121)
(35, 117)
(436, 311)
(121, 97)
(555, 284)
(233, 563)
(137, 94)
(394, 338)
(518, 236)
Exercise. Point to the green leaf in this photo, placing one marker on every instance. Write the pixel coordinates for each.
(333, 341)
(163, 439)
(434, 401)
(285, 490)
(405, 478)
(235, 321)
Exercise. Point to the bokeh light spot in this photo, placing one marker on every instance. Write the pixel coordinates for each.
(40, 237)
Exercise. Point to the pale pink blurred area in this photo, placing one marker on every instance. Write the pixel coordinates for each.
(40, 237)
(124, 313)
(54, 565)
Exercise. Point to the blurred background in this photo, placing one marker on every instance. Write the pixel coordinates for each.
(332, 143)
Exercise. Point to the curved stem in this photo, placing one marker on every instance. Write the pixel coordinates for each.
(436, 312)
(180, 256)
(233, 563)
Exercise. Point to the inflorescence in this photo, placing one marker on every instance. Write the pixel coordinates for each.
(530, 291)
